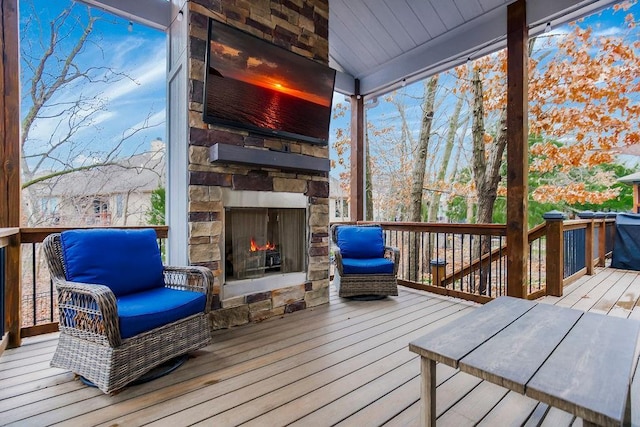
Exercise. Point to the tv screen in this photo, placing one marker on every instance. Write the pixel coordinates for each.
(255, 85)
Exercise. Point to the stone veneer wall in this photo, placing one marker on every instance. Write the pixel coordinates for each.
(302, 27)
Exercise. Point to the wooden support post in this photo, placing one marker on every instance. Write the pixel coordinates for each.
(555, 252)
(517, 149)
(356, 203)
(10, 159)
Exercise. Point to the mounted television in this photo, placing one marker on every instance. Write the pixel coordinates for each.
(255, 85)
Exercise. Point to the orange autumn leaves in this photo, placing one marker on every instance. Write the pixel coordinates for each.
(584, 102)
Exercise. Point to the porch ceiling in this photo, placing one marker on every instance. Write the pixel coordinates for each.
(384, 43)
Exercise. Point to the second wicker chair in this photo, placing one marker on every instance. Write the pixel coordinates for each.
(364, 264)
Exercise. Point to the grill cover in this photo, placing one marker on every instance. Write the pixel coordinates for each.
(626, 244)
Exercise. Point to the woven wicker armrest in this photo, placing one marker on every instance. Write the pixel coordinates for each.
(88, 311)
(338, 260)
(393, 254)
(193, 278)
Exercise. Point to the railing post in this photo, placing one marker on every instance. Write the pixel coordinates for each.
(555, 252)
(588, 247)
(602, 237)
(13, 292)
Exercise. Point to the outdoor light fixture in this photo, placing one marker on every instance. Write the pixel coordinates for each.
(404, 82)
(180, 16)
(547, 28)
(130, 26)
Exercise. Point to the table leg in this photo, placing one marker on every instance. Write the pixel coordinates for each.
(428, 392)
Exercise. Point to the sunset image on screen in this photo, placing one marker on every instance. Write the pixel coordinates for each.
(257, 70)
(254, 84)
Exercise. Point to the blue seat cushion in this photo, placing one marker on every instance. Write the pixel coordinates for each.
(127, 261)
(360, 242)
(150, 309)
(367, 266)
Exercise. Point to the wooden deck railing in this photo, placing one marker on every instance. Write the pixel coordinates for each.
(576, 247)
(470, 261)
(459, 260)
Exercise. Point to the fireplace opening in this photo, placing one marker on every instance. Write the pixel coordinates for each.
(264, 241)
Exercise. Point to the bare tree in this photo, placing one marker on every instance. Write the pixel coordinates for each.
(422, 149)
(454, 125)
(63, 92)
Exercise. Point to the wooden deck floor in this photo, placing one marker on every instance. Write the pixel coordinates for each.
(345, 363)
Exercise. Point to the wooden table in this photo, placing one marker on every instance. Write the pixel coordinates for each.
(576, 361)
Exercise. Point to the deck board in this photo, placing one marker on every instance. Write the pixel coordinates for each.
(344, 363)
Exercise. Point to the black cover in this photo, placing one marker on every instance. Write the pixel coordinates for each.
(626, 245)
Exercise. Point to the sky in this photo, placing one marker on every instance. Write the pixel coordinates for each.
(134, 99)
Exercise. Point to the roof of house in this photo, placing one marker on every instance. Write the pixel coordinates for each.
(141, 173)
(630, 179)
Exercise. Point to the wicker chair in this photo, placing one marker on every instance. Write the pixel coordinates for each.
(364, 265)
(114, 332)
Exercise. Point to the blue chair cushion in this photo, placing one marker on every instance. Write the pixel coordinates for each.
(126, 261)
(360, 242)
(150, 309)
(367, 266)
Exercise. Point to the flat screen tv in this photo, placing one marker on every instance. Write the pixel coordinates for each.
(255, 85)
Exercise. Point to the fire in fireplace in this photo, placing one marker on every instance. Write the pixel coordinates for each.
(262, 241)
(272, 255)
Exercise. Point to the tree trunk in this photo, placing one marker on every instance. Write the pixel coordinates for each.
(417, 178)
(444, 165)
(420, 159)
(486, 172)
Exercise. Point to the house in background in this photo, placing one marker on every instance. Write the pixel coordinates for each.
(634, 180)
(338, 201)
(115, 194)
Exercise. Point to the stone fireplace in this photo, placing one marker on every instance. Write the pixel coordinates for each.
(284, 209)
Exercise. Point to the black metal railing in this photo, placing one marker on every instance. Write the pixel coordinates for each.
(574, 251)
(537, 279)
(609, 232)
(451, 258)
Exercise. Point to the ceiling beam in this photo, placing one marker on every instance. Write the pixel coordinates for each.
(153, 13)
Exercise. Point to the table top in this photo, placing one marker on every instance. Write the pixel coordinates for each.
(576, 361)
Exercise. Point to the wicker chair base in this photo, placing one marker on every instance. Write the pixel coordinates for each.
(365, 284)
(112, 368)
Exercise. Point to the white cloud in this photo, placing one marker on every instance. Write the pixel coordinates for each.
(153, 70)
(609, 32)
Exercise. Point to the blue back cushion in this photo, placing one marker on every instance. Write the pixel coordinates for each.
(360, 242)
(126, 261)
